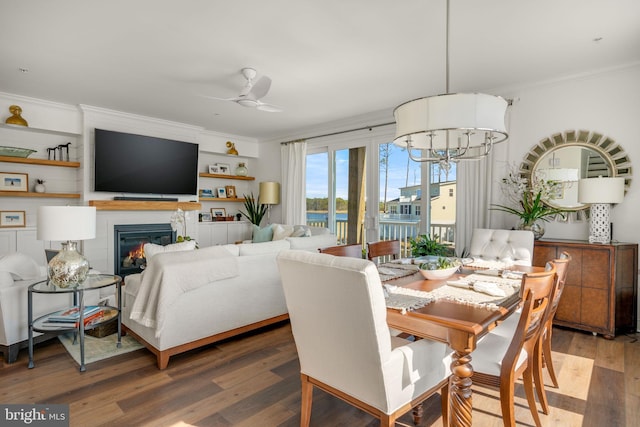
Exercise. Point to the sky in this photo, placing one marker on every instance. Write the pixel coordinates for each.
(317, 174)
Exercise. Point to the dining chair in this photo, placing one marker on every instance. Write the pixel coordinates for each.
(388, 249)
(338, 318)
(354, 251)
(511, 246)
(499, 361)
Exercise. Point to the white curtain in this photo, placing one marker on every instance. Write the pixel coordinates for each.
(473, 201)
(294, 203)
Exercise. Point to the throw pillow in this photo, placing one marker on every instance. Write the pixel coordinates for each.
(20, 266)
(151, 249)
(300, 231)
(262, 234)
(281, 231)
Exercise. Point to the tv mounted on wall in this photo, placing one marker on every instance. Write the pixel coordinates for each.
(128, 163)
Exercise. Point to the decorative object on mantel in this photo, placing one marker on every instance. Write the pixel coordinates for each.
(451, 126)
(600, 193)
(526, 200)
(15, 151)
(241, 170)
(231, 148)
(60, 223)
(16, 118)
(39, 187)
(179, 224)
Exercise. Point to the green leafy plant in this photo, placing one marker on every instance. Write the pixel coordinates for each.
(254, 211)
(424, 245)
(440, 264)
(531, 209)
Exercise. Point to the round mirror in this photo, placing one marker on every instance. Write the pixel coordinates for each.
(570, 156)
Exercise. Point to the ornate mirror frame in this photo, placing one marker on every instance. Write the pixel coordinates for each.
(614, 155)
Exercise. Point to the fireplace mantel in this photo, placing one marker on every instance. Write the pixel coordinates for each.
(138, 205)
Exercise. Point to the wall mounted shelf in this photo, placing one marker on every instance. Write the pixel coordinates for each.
(220, 199)
(43, 195)
(37, 130)
(215, 175)
(44, 162)
(138, 205)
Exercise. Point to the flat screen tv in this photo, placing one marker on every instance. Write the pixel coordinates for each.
(128, 163)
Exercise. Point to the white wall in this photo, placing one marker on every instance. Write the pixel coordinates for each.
(609, 103)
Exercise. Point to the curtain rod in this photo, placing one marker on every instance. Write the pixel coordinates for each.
(337, 133)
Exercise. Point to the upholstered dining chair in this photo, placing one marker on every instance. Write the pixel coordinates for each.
(338, 318)
(354, 251)
(542, 353)
(512, 246)
(499, 361)
(384, 248)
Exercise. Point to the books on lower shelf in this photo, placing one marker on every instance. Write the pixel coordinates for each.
(69, 318)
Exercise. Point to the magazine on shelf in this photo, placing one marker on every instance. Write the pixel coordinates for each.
(73, 314)
(88, 320)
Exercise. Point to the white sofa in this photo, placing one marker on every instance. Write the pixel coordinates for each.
(184, 300)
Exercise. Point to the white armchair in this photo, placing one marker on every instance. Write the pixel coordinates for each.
(338, 317)
(510, 246)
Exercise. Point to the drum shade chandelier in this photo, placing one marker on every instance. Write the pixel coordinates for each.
(452, 126)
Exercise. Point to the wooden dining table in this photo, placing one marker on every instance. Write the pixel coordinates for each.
(457, 324)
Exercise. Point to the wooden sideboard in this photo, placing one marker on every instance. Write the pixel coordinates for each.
(601, 289)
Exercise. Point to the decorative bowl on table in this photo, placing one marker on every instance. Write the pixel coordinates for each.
(15, 151)
(441, 269)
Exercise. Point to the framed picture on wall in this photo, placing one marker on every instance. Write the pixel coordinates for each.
(14, 181)
(223, 168)
(10, 219)
(222, 193)
(231, 191)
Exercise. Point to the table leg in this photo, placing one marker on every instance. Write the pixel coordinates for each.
(30, 316)
(461, 400)
(119, 288)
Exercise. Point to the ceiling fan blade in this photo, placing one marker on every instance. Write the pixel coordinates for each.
(234, 99)
(260, 87)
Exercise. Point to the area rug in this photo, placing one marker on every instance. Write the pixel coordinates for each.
(98, 348)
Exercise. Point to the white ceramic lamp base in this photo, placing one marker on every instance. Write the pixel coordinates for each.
(600, 224)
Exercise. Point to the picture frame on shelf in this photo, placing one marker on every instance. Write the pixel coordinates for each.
(231, 191)
(10, 181)
(213, 169)
(206, 192)
(219, 213)
(205, 217)
(223, 168)
(222, 193)
(12, 219)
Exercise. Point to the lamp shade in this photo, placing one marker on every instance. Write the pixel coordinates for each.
(269, 193)
(457, 111)
(601, 190)
(66, 222)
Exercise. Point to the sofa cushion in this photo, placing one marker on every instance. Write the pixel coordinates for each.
(274, 247)
(20, 266)
(312, 243)
(280, 231)
(262, 234)
(151, 249)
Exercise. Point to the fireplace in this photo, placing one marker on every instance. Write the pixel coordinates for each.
(129, 242)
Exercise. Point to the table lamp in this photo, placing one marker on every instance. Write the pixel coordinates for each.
(269, 194)
(68, 267)
(600, 193)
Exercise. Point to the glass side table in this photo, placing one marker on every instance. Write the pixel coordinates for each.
(92, 283)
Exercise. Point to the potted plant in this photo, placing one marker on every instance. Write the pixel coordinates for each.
(254, 211)
(424, 245)
(528, 201)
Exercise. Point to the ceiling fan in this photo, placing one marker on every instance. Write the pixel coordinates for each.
(253, 90)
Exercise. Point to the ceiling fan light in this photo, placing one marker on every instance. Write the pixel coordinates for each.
(247, 103)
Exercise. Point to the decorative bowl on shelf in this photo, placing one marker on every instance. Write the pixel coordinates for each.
(15, 151)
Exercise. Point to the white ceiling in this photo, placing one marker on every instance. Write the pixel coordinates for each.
(329, 60)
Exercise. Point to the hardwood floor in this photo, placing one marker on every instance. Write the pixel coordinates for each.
(254, 381)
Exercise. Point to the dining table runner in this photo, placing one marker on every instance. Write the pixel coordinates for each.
(475, 289)
(394, 270)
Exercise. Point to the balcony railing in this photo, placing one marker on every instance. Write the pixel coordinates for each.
(402, 230)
